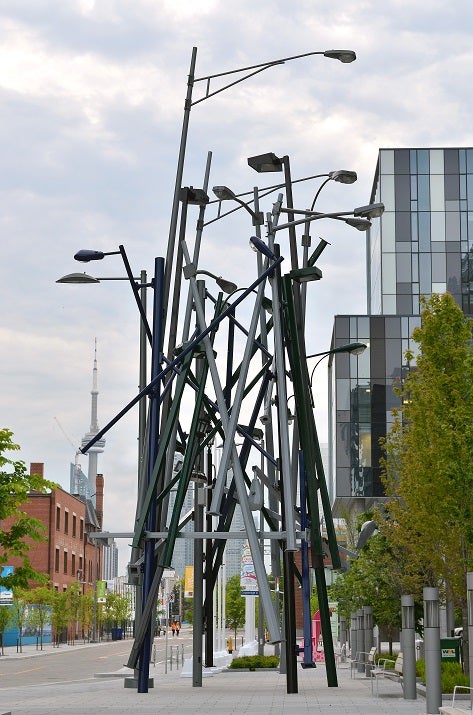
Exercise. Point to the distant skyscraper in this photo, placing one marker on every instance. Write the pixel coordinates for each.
(98, 447)
(80, 483)
(110, 562)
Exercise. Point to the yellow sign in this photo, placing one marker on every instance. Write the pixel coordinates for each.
(189, 582)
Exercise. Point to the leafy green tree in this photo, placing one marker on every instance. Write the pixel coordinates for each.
(74, 598)
(15, 538)
(429, 457)
(234, 604)
(59, 613)
(86, 614)
(6, 619)
(39, 600)
(117, 610)
(20, 613)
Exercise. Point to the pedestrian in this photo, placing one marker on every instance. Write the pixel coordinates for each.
(178, 627)
(173, 628)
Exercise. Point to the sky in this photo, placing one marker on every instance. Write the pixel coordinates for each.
(92, 97)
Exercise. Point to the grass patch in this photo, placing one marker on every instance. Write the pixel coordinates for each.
(255, 661)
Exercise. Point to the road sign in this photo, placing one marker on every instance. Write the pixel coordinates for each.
(171, 598)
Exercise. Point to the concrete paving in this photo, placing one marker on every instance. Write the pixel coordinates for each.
(252, 693)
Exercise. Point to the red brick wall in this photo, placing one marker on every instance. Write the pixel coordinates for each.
(48, 508)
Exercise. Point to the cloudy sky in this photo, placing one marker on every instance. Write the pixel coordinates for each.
(92, 97)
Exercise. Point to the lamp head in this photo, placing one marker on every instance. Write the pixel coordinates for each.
(226, 286)
(265, 162)
(361, 224)
(77, 278)
(223, 193)
(85, 255)
(343, 176)
(344, 56)
(258, 245)
(198, 197)
(370, 211)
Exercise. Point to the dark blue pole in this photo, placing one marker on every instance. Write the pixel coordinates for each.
(153, 443)
(308, 661)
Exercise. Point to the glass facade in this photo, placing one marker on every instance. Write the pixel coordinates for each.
(421, 245)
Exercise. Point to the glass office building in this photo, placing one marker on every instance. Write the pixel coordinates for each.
(421, 245)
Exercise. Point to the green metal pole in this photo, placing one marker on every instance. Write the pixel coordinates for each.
(309, 446)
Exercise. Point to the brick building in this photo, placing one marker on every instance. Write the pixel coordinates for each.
(69, 554)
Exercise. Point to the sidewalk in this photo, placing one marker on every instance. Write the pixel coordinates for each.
(223, 693)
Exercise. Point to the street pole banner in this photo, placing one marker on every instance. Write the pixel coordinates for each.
(189, 582)
(248, 580)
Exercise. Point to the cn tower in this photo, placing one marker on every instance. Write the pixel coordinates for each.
(98, 447)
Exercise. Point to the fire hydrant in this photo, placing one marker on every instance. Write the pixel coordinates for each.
(230, 644)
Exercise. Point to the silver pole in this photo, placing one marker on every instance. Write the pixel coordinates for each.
(433, 688)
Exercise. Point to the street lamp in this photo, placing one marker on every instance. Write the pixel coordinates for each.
(351, 348)
(223, 193)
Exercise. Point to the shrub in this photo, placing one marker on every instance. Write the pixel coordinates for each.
(255, 661)
(451, 674)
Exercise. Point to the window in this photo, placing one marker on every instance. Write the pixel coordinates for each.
(66, 522)
(56, 561)
(65, 562)
(58, 518)
(73, 565)
(81, 529)
(74, 526)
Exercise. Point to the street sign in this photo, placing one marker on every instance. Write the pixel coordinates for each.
(171, 598)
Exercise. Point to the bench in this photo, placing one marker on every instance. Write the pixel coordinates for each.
(454, 709)
(383, 670)
(360, 660)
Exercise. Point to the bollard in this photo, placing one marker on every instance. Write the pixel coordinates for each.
(343, 639)
(408, 648)
(361, 641)
(368, 629)
(433, 686)
(353, 636)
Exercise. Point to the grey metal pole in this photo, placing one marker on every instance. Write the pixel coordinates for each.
(469, 596)
(361, 640)
(433, 689)
(353, 635)
(343, 639)
(368, 629)
(408, 648)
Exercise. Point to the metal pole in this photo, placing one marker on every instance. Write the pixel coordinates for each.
(469, 596)
(143, 677)
(308, 660)
(433, 687)
(408, 647)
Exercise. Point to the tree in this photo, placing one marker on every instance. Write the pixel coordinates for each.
(59, 613)
(6, 619)
(428, 470)
(235, 604)
(20, 613)
(16, 537)
(373, 579)
(40, 600)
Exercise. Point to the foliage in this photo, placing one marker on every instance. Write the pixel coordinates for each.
(6, 619)
(428, 470)
(59, 613)
(235, 604)
(40, 600)
(451, 674)
(15, 540)
(20, 611)
(117, 609)
(255, 661)
(374, 579)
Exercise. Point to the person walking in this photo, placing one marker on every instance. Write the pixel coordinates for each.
(173, 628)
(178, 627)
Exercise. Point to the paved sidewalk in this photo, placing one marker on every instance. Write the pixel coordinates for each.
(258, 693)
